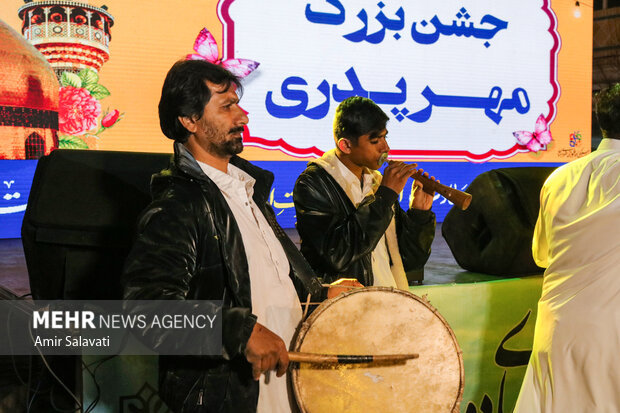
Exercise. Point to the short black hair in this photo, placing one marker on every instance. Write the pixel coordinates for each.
(185, 93)
(607, 108)
(357, 116)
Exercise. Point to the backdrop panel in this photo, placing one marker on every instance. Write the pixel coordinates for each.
(457, 78)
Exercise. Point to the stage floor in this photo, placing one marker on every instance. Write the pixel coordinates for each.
(441, 267)
(482, 315)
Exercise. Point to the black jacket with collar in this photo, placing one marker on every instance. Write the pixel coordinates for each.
(337, 239)
(188, 246)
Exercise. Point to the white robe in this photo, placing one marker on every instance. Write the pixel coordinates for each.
(274, 299)
(575, 362)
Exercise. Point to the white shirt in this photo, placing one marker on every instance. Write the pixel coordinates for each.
(381, 270)
(350, 184)
(274, 299)
(575, 356)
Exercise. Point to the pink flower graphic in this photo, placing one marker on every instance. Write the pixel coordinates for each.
(110, 119)
(78, 111)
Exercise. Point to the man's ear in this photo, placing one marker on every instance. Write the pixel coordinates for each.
(188, 123)
(344, 145)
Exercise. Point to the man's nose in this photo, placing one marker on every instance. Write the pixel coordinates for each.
(242, 118)
(385, 147)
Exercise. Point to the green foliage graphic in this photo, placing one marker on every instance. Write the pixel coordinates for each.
(71, 142)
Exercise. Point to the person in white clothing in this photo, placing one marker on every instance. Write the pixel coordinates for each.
(210, 234)
(575, 357)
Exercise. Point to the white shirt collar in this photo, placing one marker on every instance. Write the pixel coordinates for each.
(609, 144)
(347, 179)
(351, 179)
(231, 181)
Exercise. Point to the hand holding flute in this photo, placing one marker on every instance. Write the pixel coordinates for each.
(397, 174)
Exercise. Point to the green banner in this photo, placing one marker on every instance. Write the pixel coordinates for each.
(493, 322)
(494, 325)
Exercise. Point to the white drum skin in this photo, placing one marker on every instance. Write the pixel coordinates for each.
(375, 321)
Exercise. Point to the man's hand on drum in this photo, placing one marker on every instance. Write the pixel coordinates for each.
(342, 285)
(266, 351)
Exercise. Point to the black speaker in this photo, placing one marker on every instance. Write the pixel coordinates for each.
(80, 220)
(494, 235)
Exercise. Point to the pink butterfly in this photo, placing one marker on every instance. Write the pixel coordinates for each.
(537, 139)
(206, 49)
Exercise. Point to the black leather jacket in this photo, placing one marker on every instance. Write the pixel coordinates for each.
(188, 246)
(337, 239)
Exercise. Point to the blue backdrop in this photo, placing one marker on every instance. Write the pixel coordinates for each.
(16, 177)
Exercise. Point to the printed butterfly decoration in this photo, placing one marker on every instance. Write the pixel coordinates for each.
(206, 49)
(535, 141)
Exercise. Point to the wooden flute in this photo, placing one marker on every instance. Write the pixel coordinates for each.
(458, 198)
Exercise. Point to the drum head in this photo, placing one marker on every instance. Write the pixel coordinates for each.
(374, 321)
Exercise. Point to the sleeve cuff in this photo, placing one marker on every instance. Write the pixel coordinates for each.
(386, 193)
(238, 324)
(420, 216)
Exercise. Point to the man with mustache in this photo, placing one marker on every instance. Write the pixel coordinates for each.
(348, 216)
(210, 234)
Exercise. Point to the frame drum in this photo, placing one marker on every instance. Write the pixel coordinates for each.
(375, 321)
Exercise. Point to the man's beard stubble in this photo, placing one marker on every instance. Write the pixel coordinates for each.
(231, 147)
(223, 147)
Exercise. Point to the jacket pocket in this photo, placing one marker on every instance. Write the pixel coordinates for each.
(209, 394)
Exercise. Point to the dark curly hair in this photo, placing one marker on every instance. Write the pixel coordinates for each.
(357, 116)
(607, 108)
(185, 93)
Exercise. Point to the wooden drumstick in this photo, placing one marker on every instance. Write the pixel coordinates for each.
(341, 286)
(347, 358)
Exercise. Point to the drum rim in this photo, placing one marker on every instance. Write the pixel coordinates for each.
(305, 325)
